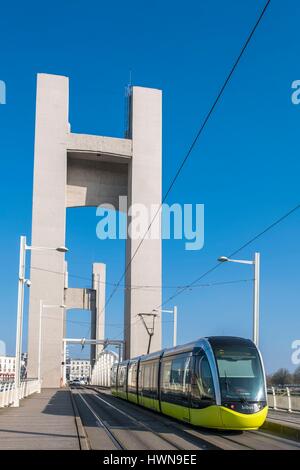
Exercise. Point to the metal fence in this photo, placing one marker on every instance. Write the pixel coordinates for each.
(102, 368)
(284, 399)
(7, 391)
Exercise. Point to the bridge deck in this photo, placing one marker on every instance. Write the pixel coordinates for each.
(43, 421)
(112, 423)
(285, 418)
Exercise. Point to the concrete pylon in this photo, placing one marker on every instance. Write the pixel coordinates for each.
(98, 313)
(78, 170)
(144, 187)
(92, 299)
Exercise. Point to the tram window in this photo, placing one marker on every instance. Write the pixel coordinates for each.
(202, 389)
(114, 375)
(132, 377)
(122, 377)
(175, 380)
(166, 374)
(240, 373)
(148, 377)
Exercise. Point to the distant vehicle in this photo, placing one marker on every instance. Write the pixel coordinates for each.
(82, 382)
(75, 382)
(215, 382)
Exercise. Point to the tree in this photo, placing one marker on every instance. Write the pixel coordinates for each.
(281, 377)
(269, 380)
(296, 376)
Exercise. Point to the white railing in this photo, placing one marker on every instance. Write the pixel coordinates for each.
(102, 368)
(284, 399)
(7, 391)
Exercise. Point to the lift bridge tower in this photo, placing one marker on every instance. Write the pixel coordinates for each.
(80, 170)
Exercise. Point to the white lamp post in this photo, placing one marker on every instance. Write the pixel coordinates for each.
(42, 306)
(22, 281)
(256, 264)
(174, 311)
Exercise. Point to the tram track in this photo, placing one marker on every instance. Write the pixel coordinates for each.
(103, 425)
(189, 436)
(204, 439)
(140, 423)
(91, 400)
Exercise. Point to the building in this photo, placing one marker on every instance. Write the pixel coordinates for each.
(7, 367)
(80, 369)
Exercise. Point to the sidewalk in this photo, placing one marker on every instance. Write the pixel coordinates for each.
(283, 424)
(44, 421)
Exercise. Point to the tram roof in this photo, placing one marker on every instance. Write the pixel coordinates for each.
(215, 341)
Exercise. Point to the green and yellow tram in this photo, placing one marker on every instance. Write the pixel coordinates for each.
(215, 382)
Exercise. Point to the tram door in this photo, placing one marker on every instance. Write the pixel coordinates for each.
(175, 386)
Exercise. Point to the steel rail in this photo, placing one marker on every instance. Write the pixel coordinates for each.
(103, 425)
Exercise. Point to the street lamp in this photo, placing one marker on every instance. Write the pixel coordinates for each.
(256, 264)
(42, 306)
(22, 281)
(174, 311)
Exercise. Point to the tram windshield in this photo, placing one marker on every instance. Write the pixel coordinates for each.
(240, 373)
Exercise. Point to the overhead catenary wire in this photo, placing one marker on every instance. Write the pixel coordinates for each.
(217, 265)
(193, 144)
(143, 287)
(186, 157)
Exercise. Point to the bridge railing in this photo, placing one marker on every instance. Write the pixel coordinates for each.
(284, 399)
(102, 368)
(7, 391)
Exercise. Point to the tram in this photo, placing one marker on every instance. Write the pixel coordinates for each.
(215, 382)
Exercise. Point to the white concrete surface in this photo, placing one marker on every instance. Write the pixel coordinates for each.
(77, 170)
(144, 187)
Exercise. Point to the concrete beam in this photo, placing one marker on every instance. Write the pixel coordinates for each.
(91, 183)
(83, 299)
(99, 146)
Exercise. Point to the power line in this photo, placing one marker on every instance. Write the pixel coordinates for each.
(193, 144)
(278, 221)
(79, 322)
(121, 326)
(191, 148)
(149, 286)
(167, 321)
(213, 268)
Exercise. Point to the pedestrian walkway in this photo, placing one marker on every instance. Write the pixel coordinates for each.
(44, 421)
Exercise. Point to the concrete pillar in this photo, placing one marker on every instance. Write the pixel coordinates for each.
(73, 170)
(48, 226)
(144, 187)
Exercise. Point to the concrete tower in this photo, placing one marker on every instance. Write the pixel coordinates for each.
(79, 170)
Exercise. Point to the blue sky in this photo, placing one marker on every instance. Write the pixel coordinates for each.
(245, 168)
